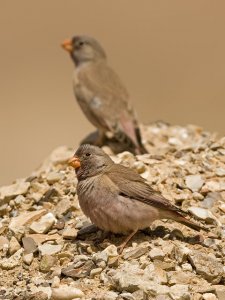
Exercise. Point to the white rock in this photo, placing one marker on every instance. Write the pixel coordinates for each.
(110, 295)
(44, 224)
(202, 213)
(28, 258)
(111, 251)
(3, 242)
(69, 233)
(55, 282)
(53, 177)
(214, 186)
(156, 253)
(13, 245)
(12, 262)
(194, 182)
(19, 188)
(220, 171)
(25, 219)
(45, 289)
(49, 249)
(66, 292)
(95, 271)
(179, 292)
(209, 296)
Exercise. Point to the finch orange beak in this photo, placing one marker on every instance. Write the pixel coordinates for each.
(74, 162)
(67, 45)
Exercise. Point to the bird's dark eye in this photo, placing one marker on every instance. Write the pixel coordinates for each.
(81, 44)
(88, 154)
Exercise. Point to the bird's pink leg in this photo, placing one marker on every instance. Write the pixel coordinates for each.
(121, 247)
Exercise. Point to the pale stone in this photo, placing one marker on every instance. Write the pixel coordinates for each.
(19, 188)
(12, 261)
(44, 224)
(28, 258)
(13, 245)
(25, 219)
(194, 182)
(66, 292)
(49, 249)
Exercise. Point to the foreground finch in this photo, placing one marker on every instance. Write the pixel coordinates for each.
(116, 198)
(101, 95)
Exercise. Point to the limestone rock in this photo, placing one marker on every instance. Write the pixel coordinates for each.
(66, 292)
(19, 188)
(25, 219)
(49, 249)
(194, 182)
(47, 262)
(28, 258)
(210, 268)
(12, 262)
(44, 224)
(13, 245)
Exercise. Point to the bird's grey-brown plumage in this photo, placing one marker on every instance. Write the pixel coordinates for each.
(116, 198)
(101, 95)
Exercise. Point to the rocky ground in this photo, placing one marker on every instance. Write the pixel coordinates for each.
(45, 252)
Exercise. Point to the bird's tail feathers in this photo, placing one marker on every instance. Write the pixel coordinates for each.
(190, 224)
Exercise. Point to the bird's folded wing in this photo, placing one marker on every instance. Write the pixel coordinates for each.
(131, 184)
(108, 101)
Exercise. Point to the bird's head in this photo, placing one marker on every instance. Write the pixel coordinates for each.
(89, 161)
(84, 49)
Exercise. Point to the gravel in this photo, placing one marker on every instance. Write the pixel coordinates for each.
(49, 251)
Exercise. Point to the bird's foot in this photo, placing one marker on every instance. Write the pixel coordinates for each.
(122, 246)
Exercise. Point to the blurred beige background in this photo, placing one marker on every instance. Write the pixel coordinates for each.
(170, 55)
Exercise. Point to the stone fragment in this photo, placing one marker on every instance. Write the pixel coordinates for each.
(13, 245)
(79, 271)
(180, 292)
(38, 296)
(180, 277)
(28, 258)
(202, 214)
(49, 249)
(25, 219)
(209, 296)
(95, 272)
(40, 291)
(29, 245)
(42, 238)
(135, 253)
(3, 242)
(44, 224)
(156, 253)
(131, 278)
(220, 171)
(109, 295)
(47, 262)
(53, 177)
(55, 281)
(211, 199)
(62, 207)
(127, 296)
(19, 188)
(194, 182)
(12, 261)
(181, 253)
(210, 268)
(220, 291)
(214, 186)
(66, 292)
(69, 233)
